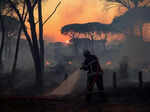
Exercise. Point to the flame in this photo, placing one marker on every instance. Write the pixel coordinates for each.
(92, 11)
(108, 63)
(67, 41)
(69, 62)
(47, 63)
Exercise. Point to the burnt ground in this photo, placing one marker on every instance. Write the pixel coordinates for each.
(127, 97)
(124, 99)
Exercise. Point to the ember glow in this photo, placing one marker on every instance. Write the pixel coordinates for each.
(108, 63)
(80, 11)
(69, 62)
(67, 42)
(47, 63)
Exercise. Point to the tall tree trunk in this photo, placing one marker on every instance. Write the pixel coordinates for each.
(36, 52)
(11, 79)
(41, 41)
(17, 50)
(18, 40)
(2, 40)
(33, 43)
(38, 70)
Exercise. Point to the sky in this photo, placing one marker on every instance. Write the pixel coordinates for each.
(74, 11)
(79, 11)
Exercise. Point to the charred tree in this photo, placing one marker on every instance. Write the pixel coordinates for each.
(36, 46)
(41, 41)
(16, 51)
(2, 40)
(36, 52)
(24, 15)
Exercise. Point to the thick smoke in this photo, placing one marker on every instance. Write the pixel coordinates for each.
(78, 11)
(137, 51)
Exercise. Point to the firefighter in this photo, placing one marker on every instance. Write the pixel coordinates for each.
(94, 73)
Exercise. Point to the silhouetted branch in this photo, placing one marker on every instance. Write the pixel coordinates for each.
(34, 4)
(23, 9)
(113, 5)
(22, 22)
(50, 14)
(124, 3)
(24, 15)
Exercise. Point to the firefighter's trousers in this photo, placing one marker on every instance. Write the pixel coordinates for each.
(91, 80)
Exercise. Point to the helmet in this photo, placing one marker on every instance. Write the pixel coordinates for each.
(86, 53)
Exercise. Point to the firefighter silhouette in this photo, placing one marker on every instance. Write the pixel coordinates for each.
(94, 73)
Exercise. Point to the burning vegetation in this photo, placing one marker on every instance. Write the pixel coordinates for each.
(47, 63)
(69, 62)
(108, 63)
(67, 42)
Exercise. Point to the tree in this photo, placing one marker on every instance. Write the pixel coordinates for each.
(36, 46)
(131, 5)
(89, 30)
(5, 13)
(33, 39)
(131, 20)
(24, 15)
(41, 35)
(2, 40)
(10, 25)
(2, 7)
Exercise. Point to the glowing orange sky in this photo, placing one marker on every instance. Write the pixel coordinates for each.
(74, 11)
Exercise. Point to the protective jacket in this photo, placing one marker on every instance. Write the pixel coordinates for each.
(91, 64)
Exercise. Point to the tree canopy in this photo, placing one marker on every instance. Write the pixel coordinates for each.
(10, 23)
(86, 28)
(131, 18)
(130, 3)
